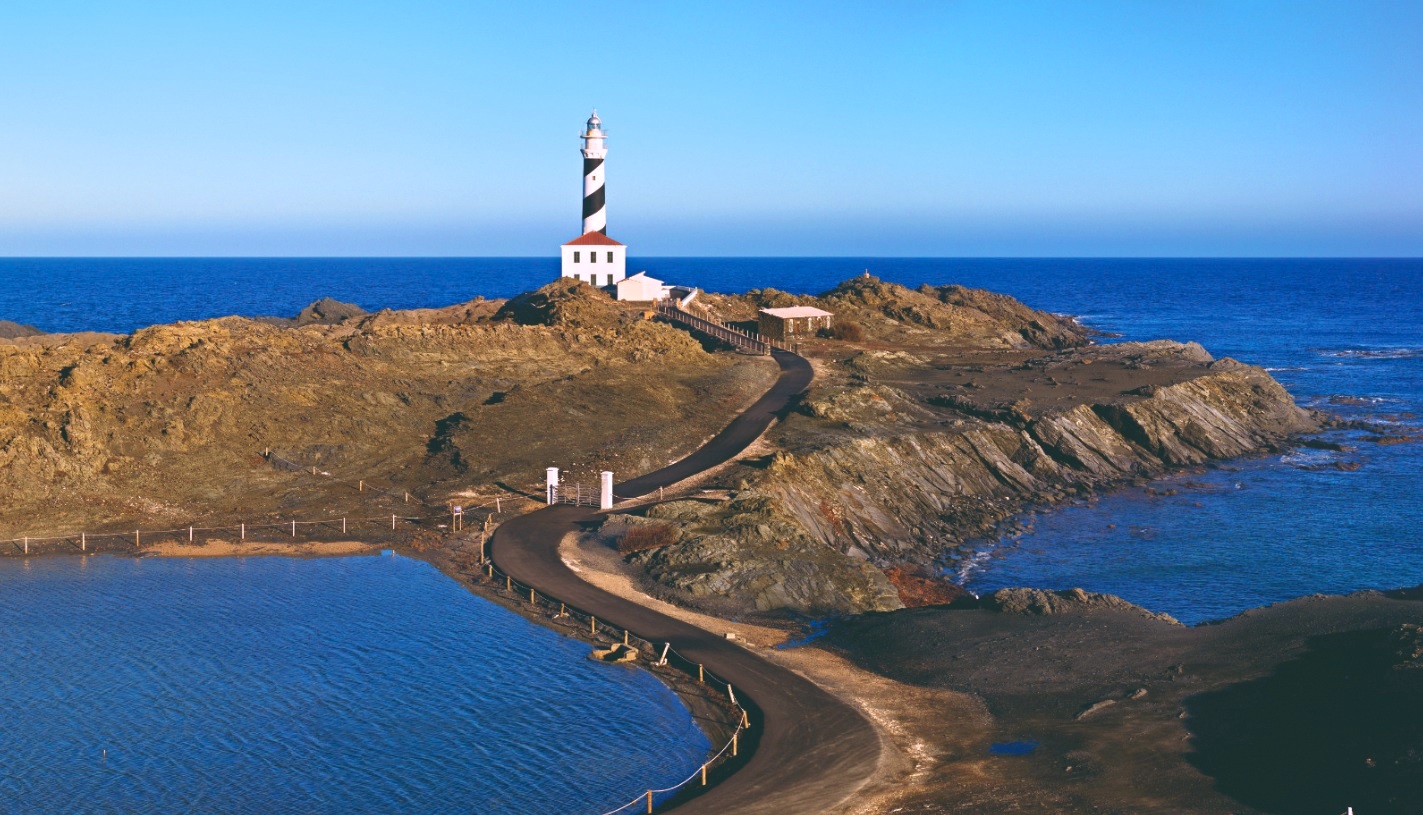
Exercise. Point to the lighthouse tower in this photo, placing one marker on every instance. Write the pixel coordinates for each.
(593, 257)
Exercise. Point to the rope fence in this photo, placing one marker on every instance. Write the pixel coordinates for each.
(486, 512)
(82, 539)
(665, 657)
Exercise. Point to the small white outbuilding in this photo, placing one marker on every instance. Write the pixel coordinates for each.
(792, 323)
(641, 288)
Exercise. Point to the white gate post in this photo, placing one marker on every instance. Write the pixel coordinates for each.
(605, 498)
(551, 486)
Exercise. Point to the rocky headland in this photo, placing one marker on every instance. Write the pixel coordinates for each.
(951, 411)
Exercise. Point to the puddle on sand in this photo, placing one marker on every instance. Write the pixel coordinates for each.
(814, 630)
(1012, 748)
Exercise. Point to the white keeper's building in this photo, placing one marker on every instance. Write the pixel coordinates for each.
(595, 258)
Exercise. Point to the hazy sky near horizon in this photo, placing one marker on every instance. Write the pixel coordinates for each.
(1219, 127)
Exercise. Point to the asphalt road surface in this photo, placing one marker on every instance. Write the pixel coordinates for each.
(809, 750)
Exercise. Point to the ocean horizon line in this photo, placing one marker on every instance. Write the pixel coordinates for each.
(555, 259)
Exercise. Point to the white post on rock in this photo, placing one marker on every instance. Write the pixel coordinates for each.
(551, 485)
(605, 496)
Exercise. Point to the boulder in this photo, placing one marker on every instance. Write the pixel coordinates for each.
(1068, 601)
(619, 654)
(328, 311)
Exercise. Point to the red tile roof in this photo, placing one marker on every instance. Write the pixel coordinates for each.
(593, 239)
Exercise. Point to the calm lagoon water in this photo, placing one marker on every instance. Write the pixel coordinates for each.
(1345, 335)
(276, 685)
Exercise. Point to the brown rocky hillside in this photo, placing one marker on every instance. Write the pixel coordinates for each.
(168, 426)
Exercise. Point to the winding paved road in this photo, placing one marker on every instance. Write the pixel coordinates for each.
(811, 750)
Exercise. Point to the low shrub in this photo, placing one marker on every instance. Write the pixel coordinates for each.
(847, 330)
(647, 536)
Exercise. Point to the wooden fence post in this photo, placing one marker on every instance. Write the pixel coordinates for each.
(733, 744)
(704, 775)
(190, 534)
(701, 674)
(83, 542)
(392, 522)
(343, 526)
(360, 486)
(27, 546)
(593, 625)
(136, 542)
(649, 802)
(242, 531)
(293, 529)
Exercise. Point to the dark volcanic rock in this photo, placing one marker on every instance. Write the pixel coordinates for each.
(1337, 726)
(1067, 601)
(1306, 706)
(328, 311)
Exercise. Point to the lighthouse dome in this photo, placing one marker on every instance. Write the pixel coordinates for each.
(594, 123)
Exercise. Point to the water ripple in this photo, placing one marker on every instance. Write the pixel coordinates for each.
(311, 686)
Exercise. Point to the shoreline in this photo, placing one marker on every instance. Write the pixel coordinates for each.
(921, 753)
(901, 715)
(358, 548)
(711, 712)
(708, 711)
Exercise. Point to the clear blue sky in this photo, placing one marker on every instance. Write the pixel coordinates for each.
(1215, 127)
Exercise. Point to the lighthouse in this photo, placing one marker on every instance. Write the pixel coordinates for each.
(593, 257)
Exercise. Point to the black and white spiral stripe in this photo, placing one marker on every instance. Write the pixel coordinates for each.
(595, 219)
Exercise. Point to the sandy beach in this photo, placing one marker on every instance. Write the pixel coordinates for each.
(223, 548)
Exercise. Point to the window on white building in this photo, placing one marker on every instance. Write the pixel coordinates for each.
(575, 257)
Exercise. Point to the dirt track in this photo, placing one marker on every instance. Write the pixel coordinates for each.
(811, 751)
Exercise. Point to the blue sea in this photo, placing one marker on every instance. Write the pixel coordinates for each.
(342, 685)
